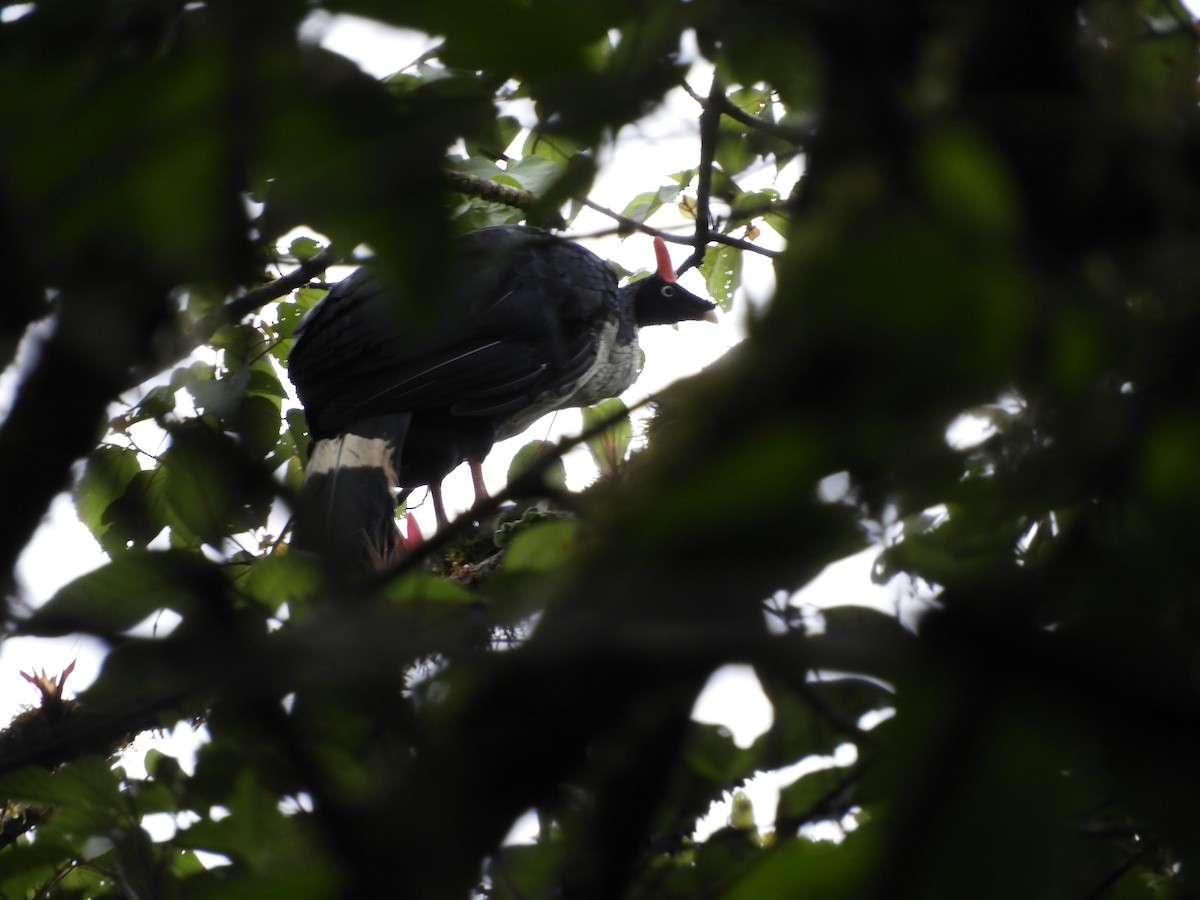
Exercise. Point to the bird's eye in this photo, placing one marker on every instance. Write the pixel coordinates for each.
(668, 291)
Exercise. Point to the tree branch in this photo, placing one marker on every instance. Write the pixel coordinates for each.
(710, 120)
(790, 134)
(494, 191)
(714, 237)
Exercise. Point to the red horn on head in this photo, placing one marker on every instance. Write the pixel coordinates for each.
(666, 271)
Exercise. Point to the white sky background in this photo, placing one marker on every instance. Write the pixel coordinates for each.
(643, 157)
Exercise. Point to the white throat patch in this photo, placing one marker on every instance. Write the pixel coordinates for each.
(351, 451)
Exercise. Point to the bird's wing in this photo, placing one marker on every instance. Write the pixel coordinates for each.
(520, 323)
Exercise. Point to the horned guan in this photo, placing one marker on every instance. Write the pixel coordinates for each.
(530, 323)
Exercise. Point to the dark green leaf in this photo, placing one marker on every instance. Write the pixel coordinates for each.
(213, 487)
(139, 515)
(85, 795)
(120, 594)
(106, 476)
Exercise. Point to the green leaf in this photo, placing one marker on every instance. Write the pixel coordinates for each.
(258, 424)
(213, 487)
(279, 851)
(289, 314)
(306, 299)
(968, 181)
(641, 207)
(553, 476)
(139, 515)
(534, 174)
(713, 765)
(280, 578)
(297, 424)
(122, 593)
(609, 447)
(158, 402)
(220, 396)
(423, 589)
(722, 271)
(526, 870)
(754, 204)
(105, 478)
(543, 547)
(556, 148)
(86, 795)
(813, 869)
(303, 248)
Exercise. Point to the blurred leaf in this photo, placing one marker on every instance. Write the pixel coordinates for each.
(967, 180)
(713, 764)
(543, 547)
(525, 870)
(814, 869)
(85, 795)
(532, 173)
(280, 851)
(280, 578)
(304, 248)
(814, 797)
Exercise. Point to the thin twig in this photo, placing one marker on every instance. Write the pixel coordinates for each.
(790, 134)
(235, 310)
(242, 306)
(714, 237)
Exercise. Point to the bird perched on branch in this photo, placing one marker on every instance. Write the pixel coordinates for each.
(531, 323)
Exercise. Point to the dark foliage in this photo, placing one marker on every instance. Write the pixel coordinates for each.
(998, 220)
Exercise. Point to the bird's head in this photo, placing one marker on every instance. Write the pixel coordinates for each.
(659, 300)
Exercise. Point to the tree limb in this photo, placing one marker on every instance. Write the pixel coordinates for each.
(487, 189)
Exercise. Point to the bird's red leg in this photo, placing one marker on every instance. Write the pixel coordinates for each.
(481, 491)
(439, 508)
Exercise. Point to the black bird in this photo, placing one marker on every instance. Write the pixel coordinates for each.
(531, 323)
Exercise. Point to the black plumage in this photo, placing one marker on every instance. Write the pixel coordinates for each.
(531, 323)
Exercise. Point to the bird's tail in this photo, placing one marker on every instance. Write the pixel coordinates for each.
(346, 510)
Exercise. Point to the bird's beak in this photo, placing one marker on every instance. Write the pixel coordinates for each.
(711, 316)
